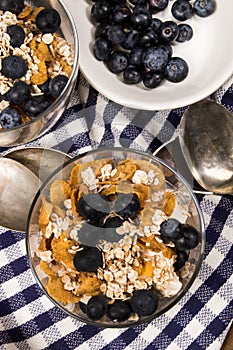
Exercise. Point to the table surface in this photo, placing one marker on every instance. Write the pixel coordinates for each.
(199, 321)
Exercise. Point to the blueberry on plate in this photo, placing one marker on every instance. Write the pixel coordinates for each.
(135, 56)
(14, 6)
(151, 80)
(90, 235)
(119, 311)
(96, 307)
(182, 10)
(157, 5)
(102, 48)
(156, 23)
(149, 37)
(132, 38)
(36, 105)
(121, 13)
(127, 205)
(117, 62)
(48, 20)
(57, 85)
(94, 208)
(19, 93)
(109, 229)
(141, 19)
(155, 58)
(101, 10)
(16, 34)
(88, 259)
(170, 230)
(116, 34)
(181, 258)
(189, 239)
(176, 70)
(185, 33)
(143, 302)
(132, 75)
(168, 31)
(9, 118)
(204, 8)
(14, 67)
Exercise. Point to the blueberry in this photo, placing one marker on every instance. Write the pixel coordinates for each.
(101, 10)
(110, 226)
(176, 70)
(19, 93)
(90, 235)
(168, 31)
(152, 80)
(14, 67)
(9, 118)
(185, 33)
(143, 302)
(170, 230)
(48, 21)
(119, 311)
(14, 6)
(127, 205)
(96, 307)
(117, 62)
(149, 37)
(116, 34)
(204, 8)
(135, 56)
(94, 208)
(181, 258)
(44, 87)
(131, 39)
(113, 222)
(189, 239)
(16, 34)
(36, 105)
(155, 58)
(102, 48)
(57, 85)
(141, 19)
(121, 13)
(157, 5)
(156, 23)
(88, 259)
(137, 2)
(132, 75)
(182, 10)
(101, 30)
(168, 48)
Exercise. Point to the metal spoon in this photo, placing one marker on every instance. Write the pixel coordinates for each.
(206, 139)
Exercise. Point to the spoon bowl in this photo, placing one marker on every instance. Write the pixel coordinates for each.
(206, 140)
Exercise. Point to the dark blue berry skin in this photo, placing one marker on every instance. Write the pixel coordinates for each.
(176, 70)
(204, 8)
(14, 6)
(96, 307)
(157, 5)
(101, 10)
(121, 13)
(117, 62)
(102, 48)
(185, 33)
(155, 58)
(44, 87)
(19, 93)
(48, 21)
(156, 23)
(9, 118)
(127, 205)
(149, 37)
(137, 2)
(135, 56)
(17, 35)
(89, 259)
(131, 39)
(116, 34)
(143, 302)
(170, 230)
(57, 85)
(109, 229)
(168, 49)
(132, 75)
(152, 80)
(168, 31)
(182, 10)
(140, 20)
(119, 311)
(93, 208)
(36, 105)
(14, 67)
(189, 239)
(101, 30)
(181, 258)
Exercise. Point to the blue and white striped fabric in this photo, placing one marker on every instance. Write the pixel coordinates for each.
(199, 321)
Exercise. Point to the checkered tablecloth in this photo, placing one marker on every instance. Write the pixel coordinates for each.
(199, 321)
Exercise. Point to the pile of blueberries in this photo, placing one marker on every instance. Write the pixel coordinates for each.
(15, 67)
(132, 41)
(102, 218)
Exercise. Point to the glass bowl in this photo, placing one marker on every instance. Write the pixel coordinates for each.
(44, 121)
(163, 196)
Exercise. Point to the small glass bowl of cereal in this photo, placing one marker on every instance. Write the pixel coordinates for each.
(115, 237)
(38, 67)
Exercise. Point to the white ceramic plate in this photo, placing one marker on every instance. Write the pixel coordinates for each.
(209, 55)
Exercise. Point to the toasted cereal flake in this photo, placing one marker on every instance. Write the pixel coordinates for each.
(45, 255)
(88, 177)
(158, 217)
(140, 177)
(47, 38)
